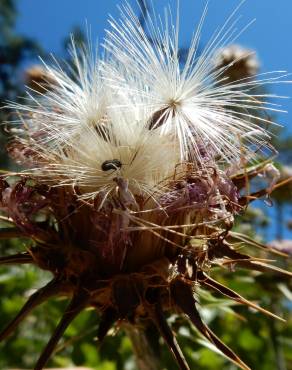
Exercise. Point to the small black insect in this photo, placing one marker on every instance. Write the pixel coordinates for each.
(111, 164)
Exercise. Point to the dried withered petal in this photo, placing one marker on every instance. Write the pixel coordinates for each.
(22, 203)
(22, 153)
(202, 191)
(227, 188)
(194, 193)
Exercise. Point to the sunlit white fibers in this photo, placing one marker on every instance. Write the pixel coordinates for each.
(189, 99)
(141, 106)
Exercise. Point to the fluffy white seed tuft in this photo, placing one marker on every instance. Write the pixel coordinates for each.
(141, 111)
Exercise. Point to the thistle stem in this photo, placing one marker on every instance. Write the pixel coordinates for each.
(145, 356)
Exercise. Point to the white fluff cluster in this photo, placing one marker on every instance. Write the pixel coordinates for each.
(140, 111)
(239, 57)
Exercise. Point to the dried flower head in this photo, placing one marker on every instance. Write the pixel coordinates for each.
(37, 78)
(137, 168)
(282, 245)
(237, 62)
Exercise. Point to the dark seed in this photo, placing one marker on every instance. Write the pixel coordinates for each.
(157, 119)
(111, 164)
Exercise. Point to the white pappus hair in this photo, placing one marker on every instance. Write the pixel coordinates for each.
(139, 112)
(188, 99)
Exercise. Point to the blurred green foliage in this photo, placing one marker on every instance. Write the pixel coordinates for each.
(14, 50)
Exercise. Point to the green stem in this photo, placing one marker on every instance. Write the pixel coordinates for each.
(146, 358)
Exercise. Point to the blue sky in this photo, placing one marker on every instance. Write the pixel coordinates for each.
(49, 22)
